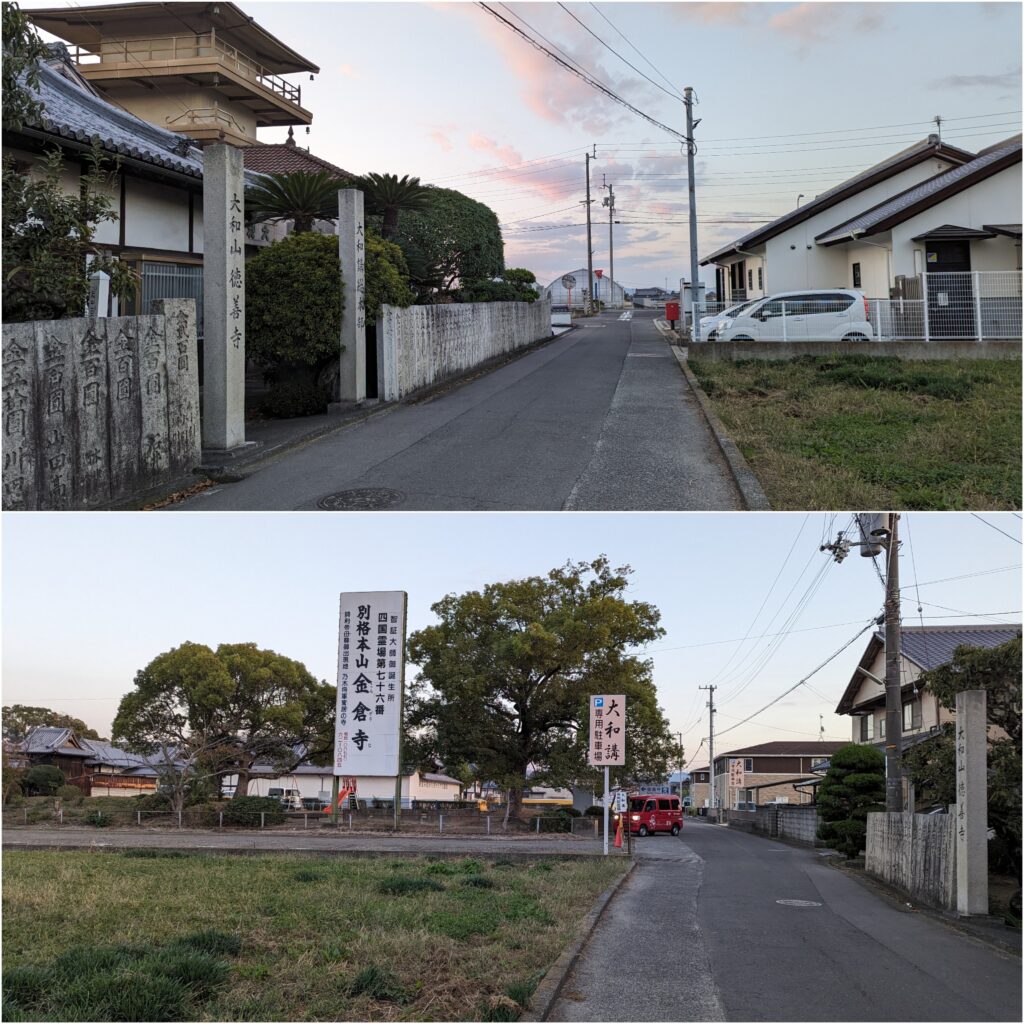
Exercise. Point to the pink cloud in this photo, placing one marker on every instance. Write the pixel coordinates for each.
(714, 13)
(442, 136)
(810, 23)
(507, 154)
(348, 71)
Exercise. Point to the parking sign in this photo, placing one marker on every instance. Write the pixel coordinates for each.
(607, 730)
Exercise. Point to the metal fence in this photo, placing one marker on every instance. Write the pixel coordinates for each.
(173, 281)
(967, 306)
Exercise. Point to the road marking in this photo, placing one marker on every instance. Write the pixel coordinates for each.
(626, 316)
(798, 903)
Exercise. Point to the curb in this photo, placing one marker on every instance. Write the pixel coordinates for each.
(548, 990)
(751, 492)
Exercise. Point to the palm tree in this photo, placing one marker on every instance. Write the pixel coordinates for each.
(299, 196)
(388, 195)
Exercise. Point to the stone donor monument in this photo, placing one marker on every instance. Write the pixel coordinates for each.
(223, 299)
(98, 410)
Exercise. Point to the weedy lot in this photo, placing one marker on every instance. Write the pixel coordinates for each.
(150, 935)
(858, 431)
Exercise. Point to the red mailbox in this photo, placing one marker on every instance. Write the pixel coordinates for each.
(672, 311)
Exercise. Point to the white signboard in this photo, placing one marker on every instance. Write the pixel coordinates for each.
(620, 800)
(736, 772)
(607, 730)
(371, 653)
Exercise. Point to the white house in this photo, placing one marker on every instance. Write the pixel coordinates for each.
(788, 254)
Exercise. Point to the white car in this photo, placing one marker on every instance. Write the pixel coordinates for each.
(709, 325)
(828, 314)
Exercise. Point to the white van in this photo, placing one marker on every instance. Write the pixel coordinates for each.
(832, 314)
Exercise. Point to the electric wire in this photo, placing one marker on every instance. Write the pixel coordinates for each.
(992, 526)
(649, 63)
(579, 74)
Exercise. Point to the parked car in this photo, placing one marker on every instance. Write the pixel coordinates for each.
(290, 799)
(649, 815)
(833, 314)
(709, 325)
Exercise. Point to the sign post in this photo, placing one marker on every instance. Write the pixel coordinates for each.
(607, 740)
(371, 679)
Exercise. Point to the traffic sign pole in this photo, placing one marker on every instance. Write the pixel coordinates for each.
(606, 810)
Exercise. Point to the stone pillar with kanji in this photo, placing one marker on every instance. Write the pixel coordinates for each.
(352, 252)
(223, 299)
(971, 803)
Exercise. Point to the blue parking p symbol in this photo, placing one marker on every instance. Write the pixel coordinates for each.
(599, 702)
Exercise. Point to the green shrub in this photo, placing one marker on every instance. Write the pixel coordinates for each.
(70, 794)
(377, 983)
(98, 819)
(244, 811)
(594, 811)
(293, 303)
(408, 886)
(152, 802)
(854, 786)
(43, 779)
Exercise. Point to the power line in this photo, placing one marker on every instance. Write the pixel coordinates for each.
(813, 672)
(992, 526)
(579, 74)
(645, 58)
(967, 576)
(671, 95)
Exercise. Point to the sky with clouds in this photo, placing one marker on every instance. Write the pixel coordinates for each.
(794, 98)
(747, 601)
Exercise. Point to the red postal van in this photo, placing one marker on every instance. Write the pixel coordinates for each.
(649, 814)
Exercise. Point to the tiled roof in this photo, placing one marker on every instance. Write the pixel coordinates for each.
(909, 157)
(927, 193)
(105, 753)
(72, 111)
(934, 645)
(286, 158)
(46, 739)
(788, 748)
(437, 777)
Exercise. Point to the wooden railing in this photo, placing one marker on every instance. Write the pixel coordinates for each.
(182, 49)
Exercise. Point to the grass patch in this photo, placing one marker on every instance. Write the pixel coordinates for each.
(151, 854)
(852, 431)
(240, 938)
(120, 983)
(409, 886)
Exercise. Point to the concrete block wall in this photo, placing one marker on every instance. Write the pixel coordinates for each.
(799, 824)
(96, 410)
(424, 345)
(915, 853)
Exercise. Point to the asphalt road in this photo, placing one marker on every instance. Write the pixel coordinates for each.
(600, 418)
(698, 934)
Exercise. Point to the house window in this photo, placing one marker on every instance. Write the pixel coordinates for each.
(760, 278)
(748, 764)
(867, 728)
(856, 275)
(908, 717)
(881, 727)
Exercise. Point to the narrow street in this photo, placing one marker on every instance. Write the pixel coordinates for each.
(600, 418)
(698, 934)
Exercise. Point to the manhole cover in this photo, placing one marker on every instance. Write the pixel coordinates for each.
(798, 903)
(362, 499)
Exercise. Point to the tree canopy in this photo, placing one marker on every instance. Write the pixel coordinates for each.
(514, 285)
(387, 195)
(453, 241)
(20, 719)
(232, 708)
(299, 196)
(507, 673)
(22, 51)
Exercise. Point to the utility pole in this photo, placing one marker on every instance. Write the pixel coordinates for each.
(879, 531)
(682, 765)
(893, 698)
(711, 746)
(609, 201)
(590, 245)
(691, 150)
